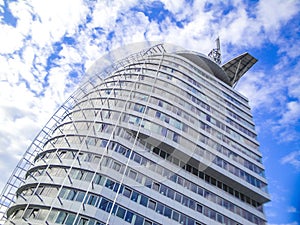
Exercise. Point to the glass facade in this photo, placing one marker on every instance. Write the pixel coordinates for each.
(159, 140)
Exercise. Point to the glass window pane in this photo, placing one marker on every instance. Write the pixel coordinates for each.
(170, 193)
(151, 204)
(175, 216)
(144, 200)
(167, 212)
(134, 196)
(127, 192)
(42, 214)
(83, 221)
(128, 216)
(80, 196)
(51, 216)
(103, 204)
(178, 197)
(147, 222)
(121, 212)
(138, 220)
(70, 219)
(159, 208)
(71, 194)
(61, 217)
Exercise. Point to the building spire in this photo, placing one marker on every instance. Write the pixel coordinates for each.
(215, 53)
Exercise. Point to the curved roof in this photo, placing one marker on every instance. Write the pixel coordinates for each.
(229, 73)
(206, 64)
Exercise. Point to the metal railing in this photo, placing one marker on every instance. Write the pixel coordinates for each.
(9, 192)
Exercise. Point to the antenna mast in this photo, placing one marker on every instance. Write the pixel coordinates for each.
(215, 54)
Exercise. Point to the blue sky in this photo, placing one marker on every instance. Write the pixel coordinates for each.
(46, 46)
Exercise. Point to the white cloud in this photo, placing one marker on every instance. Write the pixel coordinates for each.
(180, 8)
(260, 89)
(292, 158)
(275, 13)
(105, 13)
(292, 113)
(11, 41)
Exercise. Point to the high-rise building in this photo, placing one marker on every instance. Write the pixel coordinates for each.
(160, 137)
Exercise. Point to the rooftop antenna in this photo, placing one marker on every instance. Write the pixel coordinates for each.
(215, 53)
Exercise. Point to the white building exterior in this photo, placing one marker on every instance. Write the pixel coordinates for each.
(164, 138)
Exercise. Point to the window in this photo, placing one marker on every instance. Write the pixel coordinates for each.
(163, 189)
(88, 176)
(151, 204)
(128, 216)
(155, 186)
(61, 217)
(147, 222)
(180, 181)
(132, 174)
(178, 197)
(34, 213)
(175, 216)
(109, 184)
(164, 131)
(138, 220)
(170, 193)
(70, 219)
(79, 174)
(92, 200)
(71, 194)
(192, 204)
(144, 200)
(127, 192)
(159, 208)
(83, 221)
(199, 208)
(52, 216)
(190, 221)
(183, 219)
(167, 212)
(185, 201)
(213, 215)
(97, 179)
(116, 166)
(156, 150)
(80, 196)
(137, 158)
(42, 214)
(96, 159)
(139, 178)
(103, 142)
(194, 187)
(121, 212)
(162, 154)
(158, 114)
(220, 218)
(134, 196)
(103, 204)
(148, 182)
(63, 193)
(139, 108)
(52, 192)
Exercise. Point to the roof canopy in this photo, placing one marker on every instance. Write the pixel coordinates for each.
(238, 66)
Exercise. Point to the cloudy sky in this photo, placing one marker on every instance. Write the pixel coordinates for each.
(46, 47)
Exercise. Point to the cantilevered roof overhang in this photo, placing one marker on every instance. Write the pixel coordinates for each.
(238, 66)
(230, 72)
